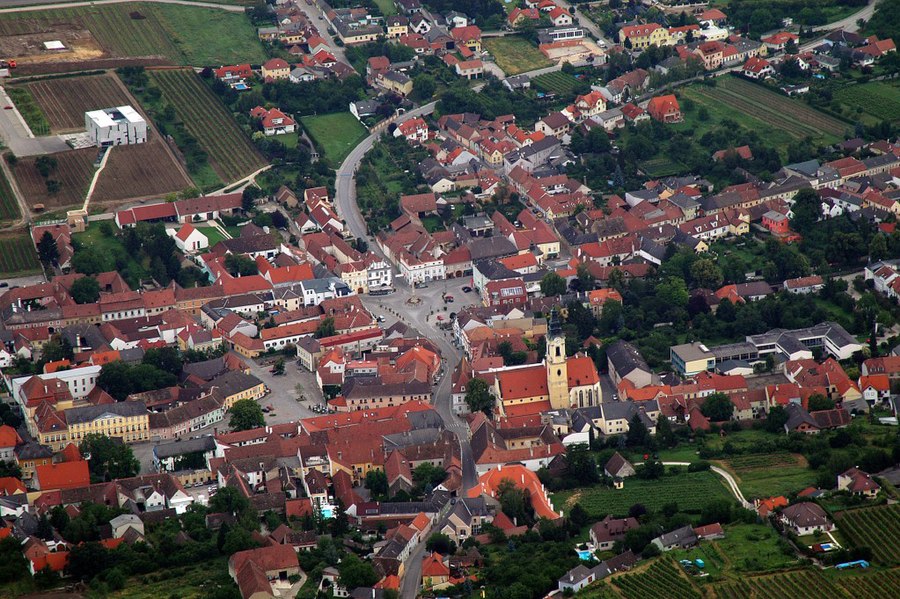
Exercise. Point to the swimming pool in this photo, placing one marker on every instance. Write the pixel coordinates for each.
(584, 555)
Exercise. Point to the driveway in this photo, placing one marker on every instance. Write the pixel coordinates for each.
(18, 137)
(317, 16)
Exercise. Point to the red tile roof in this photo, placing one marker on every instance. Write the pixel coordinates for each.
(64, 475)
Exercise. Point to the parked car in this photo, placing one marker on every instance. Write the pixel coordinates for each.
(467, 289)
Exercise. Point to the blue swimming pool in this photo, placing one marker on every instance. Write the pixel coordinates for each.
(584, 555)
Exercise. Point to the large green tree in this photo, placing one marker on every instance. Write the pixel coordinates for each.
(48, 251)
(717, 407)
(85, 290)
(552, 285)
(478, 397)
(246, 414)
(109, 458)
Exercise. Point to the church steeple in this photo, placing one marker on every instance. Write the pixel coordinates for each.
(555, 361)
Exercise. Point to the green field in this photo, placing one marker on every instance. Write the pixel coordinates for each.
(231, 153)
(767, 475)
(9, 207)
(557, 82)
(29, 109)
(691, 490)
(335, 134)
(753, 548)
(193, 581)
(212, 234)
(777, 119)
(875, 527)
(661, 167)
(880, 101)
(387, 7)
(662, 580)
(515, 54)
(18, 256)
(110, 248)
(186, 35)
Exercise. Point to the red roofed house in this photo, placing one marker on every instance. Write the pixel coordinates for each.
(413, 130)
(273, 121)
(875, 387)
(256, 570)
(435, 573)
(189, 239)
(777, 41)
(598, 297)
(276, 68)
(757, 68)
(858, 483)
(665, 109)
(64, 475)
(522, 478)
(469, 37)
(234, 73)
(470, 69)
(9, 440)
(743, 152)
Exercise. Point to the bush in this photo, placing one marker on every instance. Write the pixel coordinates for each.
(701, 466)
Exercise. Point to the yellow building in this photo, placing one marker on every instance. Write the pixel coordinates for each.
(236, 385)
(276, 68)
(557, 371)
(396, 26)
(127, 420)
(644, 36)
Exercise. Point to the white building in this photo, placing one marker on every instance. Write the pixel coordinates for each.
(117, 126)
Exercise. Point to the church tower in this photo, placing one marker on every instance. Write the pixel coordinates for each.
(555, 361)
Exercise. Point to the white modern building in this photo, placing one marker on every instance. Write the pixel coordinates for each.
(117, 126)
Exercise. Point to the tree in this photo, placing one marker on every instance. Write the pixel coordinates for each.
(479, 398)
(806, 210)
(664, 434)
(427, 476)
(650, 470)
(878, 248)
(278, 367)
(229, 501)
(377, 483)
(355, 573)
(638, 435)
(441, 543)
(240, 265)
(87, 560)
(325, 328)
(85, 290)
(167, 359)
(424, 86)
(249, 196)
(553, 285)
(109, 459)
(246, 414)
(581, 466)
(706, 274)
(776, 419)
(48, 251)
(513, 502)
(718, 407)
(817, 402)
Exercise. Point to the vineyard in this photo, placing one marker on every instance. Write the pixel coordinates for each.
(691, 490)
(767, 109)
(790, 585)
(877, 99)
(874, 527)
(141, 170)
(183, 34)
(18, 256)
(662, 580)
(9, 207)
(65, 100)
(73, 172)
(231, 154)
(30, 110)
(872, 585)
(556, 82)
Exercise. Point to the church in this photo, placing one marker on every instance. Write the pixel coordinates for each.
(556, 383)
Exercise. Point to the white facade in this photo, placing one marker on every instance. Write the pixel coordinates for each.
(81, 381)
(117, 126)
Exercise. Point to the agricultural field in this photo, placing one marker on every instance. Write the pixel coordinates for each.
(9, 207)
(777, 119)
(872, 585)
(73, 171)
(876, 99)
(691, 490)
(335, 134)
(765, 475)
(663, 580)
(877, 528)
(753, 548)
(139, 171)
(30, 110)
(515, 54)
(557, 82)
(65, 100)
(18, 256)
(231, 153)
(185, 35)
(790, 585)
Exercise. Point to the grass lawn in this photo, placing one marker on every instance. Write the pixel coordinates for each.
(335, 134)
(110, 247)
(386, 7)
(661, 167)
(761, 476)
(753, 548)
(211, 36)
(515, 54)
(691, 490)
(213, 234)
(288, 139)
(193, 581)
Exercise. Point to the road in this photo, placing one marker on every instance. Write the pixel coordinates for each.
(32, 5)
(585, 22)
(317, 17)
(849, 23)
(345, 179)
(18, 137)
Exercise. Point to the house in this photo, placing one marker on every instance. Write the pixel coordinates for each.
(618, 467)
(468, 37)
(554, 124)
(710, 532)
(609, 530)
(124, 522)
(665, 109)
(680, 538)
(858, 482)
(757, 68)
(804, 285)
(414, 130)
(256, 570)
(639, 37)
(435, 573)
(275, 68)
(625, 362)
(777, 41)
(470, 69)
(273, 121)
(560, 17)
(805, 518)
(64, 475)
(395, 81)
(188, 239)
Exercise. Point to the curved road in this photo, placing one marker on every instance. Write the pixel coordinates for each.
(32, 5)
